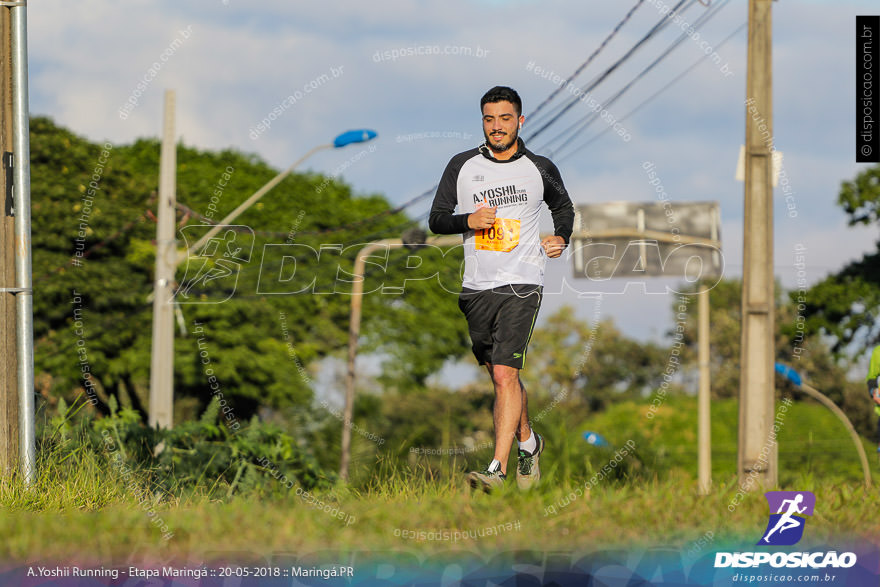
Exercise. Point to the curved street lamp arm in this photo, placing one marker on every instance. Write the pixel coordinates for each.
(248, 203)
(824, 400)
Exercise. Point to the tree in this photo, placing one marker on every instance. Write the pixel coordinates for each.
(93, 246)
(846, 304)
(595, 364)
(809, 355)
(419, 327)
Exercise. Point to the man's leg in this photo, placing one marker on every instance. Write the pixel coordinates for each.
(510, 414)
(525, 429)
(504, 340)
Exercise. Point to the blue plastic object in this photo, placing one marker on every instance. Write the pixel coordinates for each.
(789, 373)
(595, 439)
(354, 136)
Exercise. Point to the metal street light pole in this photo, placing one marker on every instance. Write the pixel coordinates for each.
(24, 310)
(247, 204)
(346, 138)
(704, 396)
(354, 329)
(704, 437)
(823, 399)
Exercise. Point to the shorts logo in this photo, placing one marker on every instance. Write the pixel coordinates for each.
(786, 525)
(517, 355)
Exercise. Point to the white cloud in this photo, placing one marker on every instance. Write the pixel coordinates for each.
(244, 58)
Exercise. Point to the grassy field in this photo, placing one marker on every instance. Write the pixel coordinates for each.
(648, 500)
(415, 518)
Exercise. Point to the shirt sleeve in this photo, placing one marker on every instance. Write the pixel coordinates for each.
(557, 199)
(442, 220)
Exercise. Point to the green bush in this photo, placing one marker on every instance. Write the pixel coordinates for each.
(200, 457)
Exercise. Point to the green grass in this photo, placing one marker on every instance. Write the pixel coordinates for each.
(84, 510)
(667, 513)
(812, 442)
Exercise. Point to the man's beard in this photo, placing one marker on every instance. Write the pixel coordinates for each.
(502, 147)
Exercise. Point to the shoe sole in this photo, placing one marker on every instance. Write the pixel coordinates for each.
(477, 482)
(524, 482)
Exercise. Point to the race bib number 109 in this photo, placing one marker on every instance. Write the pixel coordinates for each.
(503, 236)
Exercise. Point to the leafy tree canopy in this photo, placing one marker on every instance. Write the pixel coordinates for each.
(281, 302)
(846, 304)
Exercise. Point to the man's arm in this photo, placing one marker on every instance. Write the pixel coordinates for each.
(442, 220)
(561, 208)
(557, 199)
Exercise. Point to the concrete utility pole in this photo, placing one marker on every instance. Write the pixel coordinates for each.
(162, 355)
(9, 445)
(757, 454)
(162, 372)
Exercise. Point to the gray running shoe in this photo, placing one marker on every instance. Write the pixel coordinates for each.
(486, 480)
(528, 473)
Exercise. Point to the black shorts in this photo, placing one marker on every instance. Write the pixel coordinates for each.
(500, 322)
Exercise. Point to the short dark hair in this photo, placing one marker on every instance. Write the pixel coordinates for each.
(502, 94)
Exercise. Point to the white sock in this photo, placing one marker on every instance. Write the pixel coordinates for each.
(529, 445)
(495, 465)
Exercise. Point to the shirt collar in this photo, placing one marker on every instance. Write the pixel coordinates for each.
(520, 151)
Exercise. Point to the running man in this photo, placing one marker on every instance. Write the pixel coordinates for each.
(498, 189)
(787, 522)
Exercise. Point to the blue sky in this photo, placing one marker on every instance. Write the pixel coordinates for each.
(241, 59)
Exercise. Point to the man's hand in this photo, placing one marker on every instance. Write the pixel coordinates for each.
(553, 246)
(482, 218)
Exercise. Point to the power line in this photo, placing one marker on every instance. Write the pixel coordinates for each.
(424, 195)
(360, 222)
(579, 94)
(587, 120)
(664, 21)
(584, 122)
(583, 65)
(400, 208)
(276, 234)
(653, 96)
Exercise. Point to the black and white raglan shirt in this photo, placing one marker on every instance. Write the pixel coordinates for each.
(510, 252)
